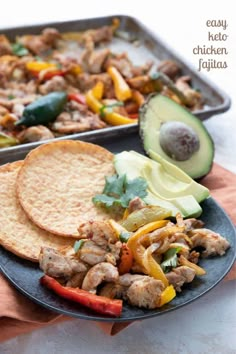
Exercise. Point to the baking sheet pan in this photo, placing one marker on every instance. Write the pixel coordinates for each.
(150, 48)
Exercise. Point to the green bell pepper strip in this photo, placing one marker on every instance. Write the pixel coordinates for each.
(44, 110)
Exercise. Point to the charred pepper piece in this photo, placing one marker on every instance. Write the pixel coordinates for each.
(44, 110)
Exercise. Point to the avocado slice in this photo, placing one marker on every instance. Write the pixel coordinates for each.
(170, 181)
(161, 123)
(176, 195)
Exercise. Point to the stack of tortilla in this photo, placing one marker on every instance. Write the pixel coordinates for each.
(46, 197)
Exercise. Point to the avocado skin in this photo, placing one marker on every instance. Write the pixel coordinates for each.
(159, 109)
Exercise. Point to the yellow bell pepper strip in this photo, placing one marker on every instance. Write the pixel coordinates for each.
(37, 66)
(122, 90)
(98, 90)
(167, 295)
(76, 70)
(116, 227)
(134, 241)
(111, 118)
(152, 267)
(185, 262)
(138, 97)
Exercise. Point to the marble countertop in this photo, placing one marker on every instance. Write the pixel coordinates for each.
(207, 325)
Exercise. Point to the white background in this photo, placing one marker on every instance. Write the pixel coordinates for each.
(209, 324)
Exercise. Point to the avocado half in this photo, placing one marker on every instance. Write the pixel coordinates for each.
(159, 110)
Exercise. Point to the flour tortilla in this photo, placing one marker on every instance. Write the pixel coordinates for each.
(17, 233)
(57, 181)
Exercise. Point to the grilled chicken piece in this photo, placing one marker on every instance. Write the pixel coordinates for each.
(56, 265)
(138, 290)
(76, 280)
(102, 34)
(101, 245)
(102, 272)
(18, 109)
(123, 64)
(113, 290)
(145, 293)
(193, 97)
(180, 275)
(192, 223)
(193, 257)
(5, 45)
(76, 123)
(139, 82)
(91, 253)
(141, 290)
(19, 100)
(98, 231)
(50, 36)
(40, 43)
(93, 60)
(213, 243)
(136, 204)
(169, 68)
(57, 83)
(34, 43)
(96, 60)
(35, 133)
(128, 279)
(78, 119)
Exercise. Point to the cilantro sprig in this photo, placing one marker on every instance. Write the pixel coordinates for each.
(170, 259)
(119, 191)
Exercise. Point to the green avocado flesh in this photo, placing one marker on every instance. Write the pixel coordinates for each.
(161, 109)
(166, 188)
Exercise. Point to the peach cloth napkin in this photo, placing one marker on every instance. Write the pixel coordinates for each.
(20, 315)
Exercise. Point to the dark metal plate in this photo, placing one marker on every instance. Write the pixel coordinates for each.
(25, 275)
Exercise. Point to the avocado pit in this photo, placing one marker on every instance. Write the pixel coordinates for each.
(178, 140)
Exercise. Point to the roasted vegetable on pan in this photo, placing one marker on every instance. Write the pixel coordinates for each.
(103, 88)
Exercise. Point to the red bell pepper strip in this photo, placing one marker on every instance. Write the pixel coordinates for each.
(49, 75)
(78, 97)
(97, 303)
(133, 116)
